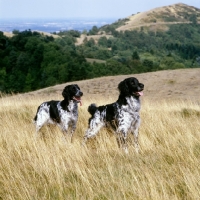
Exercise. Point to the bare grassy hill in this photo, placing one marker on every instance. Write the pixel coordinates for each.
(83, 37)
(161, 17)
(170, 84)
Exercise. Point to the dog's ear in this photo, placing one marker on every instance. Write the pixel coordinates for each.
(123, 87)
(65, 92)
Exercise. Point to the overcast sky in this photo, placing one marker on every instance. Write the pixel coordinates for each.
(81, 8)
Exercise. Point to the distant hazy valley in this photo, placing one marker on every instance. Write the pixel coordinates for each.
(51, 25)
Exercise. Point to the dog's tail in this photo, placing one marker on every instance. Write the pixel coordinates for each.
(92, 109)
(35, 118)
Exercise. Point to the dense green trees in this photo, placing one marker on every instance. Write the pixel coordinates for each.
(30, 60)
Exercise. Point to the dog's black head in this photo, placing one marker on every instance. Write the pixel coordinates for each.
(131, 86)
(72, 92)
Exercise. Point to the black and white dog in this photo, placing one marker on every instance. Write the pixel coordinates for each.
(123, 115)
(63, 113)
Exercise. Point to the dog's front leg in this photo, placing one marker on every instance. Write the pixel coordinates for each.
(136, 140)
(122, 140)
(135, 132)
(71, 134)
(68, 135)
(65, 131)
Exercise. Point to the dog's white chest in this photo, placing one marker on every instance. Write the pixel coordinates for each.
(70, 114)
(133, 104)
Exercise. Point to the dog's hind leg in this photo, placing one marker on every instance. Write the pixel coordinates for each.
(40, 120)
(93, 129)
(37, 128)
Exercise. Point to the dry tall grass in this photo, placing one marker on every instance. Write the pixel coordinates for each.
(49, 167)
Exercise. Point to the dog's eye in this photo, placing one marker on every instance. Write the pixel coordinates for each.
(132, 83)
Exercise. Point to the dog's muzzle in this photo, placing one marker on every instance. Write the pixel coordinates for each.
(77, 98)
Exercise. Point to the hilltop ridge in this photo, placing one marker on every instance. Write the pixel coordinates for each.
(172, 14)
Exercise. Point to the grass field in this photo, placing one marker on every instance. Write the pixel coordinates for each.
(49, 167)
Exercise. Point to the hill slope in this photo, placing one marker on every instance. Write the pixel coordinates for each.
(157, 19)
(172, 14)
(8, 34)
(182, 84)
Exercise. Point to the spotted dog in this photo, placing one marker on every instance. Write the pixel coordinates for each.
(123, 115)
(63, 113)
